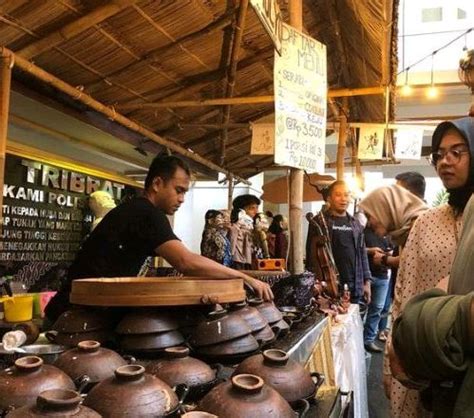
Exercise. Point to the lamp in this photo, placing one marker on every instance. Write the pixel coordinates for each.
(406, 89)
(432, 91)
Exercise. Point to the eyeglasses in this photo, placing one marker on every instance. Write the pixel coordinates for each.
(453, 154)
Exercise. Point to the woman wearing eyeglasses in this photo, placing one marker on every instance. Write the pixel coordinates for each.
(431, 246)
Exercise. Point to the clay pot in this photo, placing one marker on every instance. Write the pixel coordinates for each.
(55, 403)
(281, 327)
(219, 327)
(249, 314)
(246, 396)
(285, 375)
(91, 360)
(268, 310)
(178, 368)
(72, 339)
(132, 393)
(198, 414)
(83, 320)
(245, 344)
(21, 384)
(265, 335)
(146, 321)
(151, 342)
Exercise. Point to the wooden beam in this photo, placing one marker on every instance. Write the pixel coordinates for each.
(232, 71)
(296, 177)
(341, 144)
(104, 152)
(6, 65)
(78, 95)
(214, 126)
(364, 91)
(74, 28)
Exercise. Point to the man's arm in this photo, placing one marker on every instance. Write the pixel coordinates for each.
(193, 264)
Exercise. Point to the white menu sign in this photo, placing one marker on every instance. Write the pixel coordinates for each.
(300, 101)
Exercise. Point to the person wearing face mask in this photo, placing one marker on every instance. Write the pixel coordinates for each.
(138, 229)
(346, 236)
(430, 249)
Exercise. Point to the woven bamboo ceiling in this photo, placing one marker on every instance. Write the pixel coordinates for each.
(145, 51)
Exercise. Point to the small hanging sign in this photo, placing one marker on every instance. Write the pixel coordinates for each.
(408, 143)
(371, 142)
(263, 139)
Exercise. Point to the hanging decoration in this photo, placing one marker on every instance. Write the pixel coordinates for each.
(408, 143)
(371, 142)
(263, 139)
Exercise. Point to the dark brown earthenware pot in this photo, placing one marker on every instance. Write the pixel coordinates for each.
(285, 375)
(132, 393)
(280, 327)
(246, 396)
(83, 320)
(268, 310)
(149, 342)
(178, 368)
(245, 344)
(21, 384)
(91, 360)
(265, 335)
(72, 339)
(55, 403)
(219, 327)
(147, 321)
(249, 314)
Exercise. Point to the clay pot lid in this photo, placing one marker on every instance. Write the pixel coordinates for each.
(130, 372)
(247, 383)
(58, 399)
(147, 321)
(88, 346)
(29, 363)
(276, 357)
(177, 352)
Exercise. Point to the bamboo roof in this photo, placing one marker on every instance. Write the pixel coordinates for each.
(146, 51)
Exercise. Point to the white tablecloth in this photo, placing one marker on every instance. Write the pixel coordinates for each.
(349, 358)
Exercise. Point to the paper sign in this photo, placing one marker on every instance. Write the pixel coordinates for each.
(300, 78)
(408, 144)
(263, 139)
(269, 14)
(371, 142)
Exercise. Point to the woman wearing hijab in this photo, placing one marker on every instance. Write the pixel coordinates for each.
(429, 252)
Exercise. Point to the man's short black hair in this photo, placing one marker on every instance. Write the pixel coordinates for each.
(165, 166)
(413, 182)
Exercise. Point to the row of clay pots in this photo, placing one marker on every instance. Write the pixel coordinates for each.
(129, 392)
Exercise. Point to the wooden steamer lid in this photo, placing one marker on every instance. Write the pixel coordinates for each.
(156, 291)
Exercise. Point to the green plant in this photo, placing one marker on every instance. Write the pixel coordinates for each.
(441, 198)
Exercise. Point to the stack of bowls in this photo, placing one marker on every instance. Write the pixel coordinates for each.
(78, 325)
(223, 337)
(273, 316)
(147, 331)
(257, 323)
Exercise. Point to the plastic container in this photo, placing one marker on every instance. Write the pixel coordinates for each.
(18, 308)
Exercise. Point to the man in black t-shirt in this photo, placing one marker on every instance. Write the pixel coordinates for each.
(139, 228)
(347, 243)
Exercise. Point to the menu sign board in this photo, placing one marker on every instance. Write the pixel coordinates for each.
(45, 216)
(300, 101)
(269, 14)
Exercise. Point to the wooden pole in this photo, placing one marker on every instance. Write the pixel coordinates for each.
(110, 112)
(230, 193)
(341, 144)
(6, 64)
(74, 28)
(231, 73)
(296, 176)
(364, 91)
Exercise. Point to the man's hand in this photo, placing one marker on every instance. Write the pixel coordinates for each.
(374, 250)
(377, 258)
(261, 289)
(367, 292)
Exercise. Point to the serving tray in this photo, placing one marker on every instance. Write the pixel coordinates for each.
(156, 291)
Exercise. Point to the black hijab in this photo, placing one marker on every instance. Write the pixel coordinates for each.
(458, 197)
